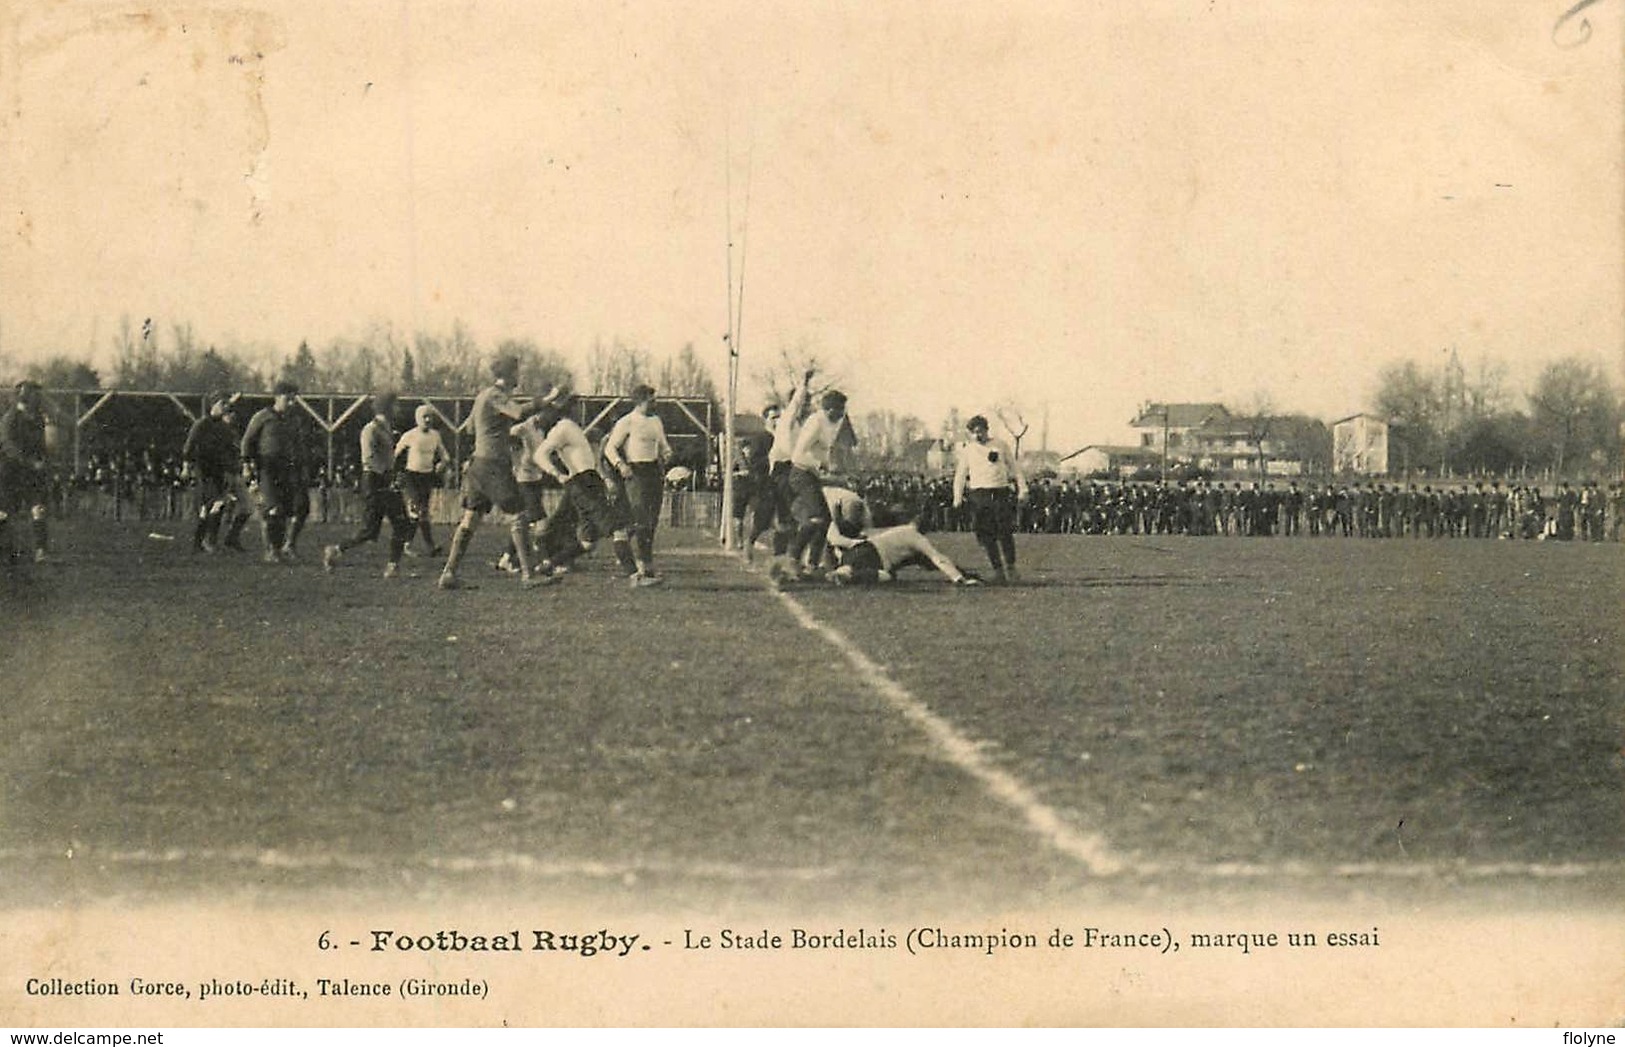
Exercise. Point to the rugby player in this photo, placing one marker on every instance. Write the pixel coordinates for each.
(531, 480)
(209, 457)
(488, 482)
(637, 449)
(273, 457)
(585, 513)
(770, 507)
(868, 554)
(24, 476)
(810, 459)
(425, 455)
(987, 478)
(383, 499)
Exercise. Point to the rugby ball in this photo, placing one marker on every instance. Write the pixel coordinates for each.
(679, 474)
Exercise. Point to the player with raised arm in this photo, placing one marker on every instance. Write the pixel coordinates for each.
(988, 479)
(637, 449)
(815, 443)
(771, 507)
(488, 482)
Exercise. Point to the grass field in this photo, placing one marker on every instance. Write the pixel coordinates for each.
(1140, 715)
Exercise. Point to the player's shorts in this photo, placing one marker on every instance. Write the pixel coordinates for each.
(864, 559)
(531, 492)
(488, 484)
(992, 511)
(282, 490)
(586, 500)
(417, 488)
(22, 488)
(645, 493)
(211, 490)
(779, 488)
(807, 502)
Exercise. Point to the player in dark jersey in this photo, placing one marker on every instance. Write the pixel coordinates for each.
(378, 487)
(209, 459)
(489, 483)
(274, 456)
(24, 474)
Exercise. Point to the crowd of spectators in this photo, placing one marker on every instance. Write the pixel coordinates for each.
(147, 484)
(1365, 509)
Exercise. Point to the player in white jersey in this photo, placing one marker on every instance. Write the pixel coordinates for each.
(808, 462)
(988, 479)
(771, 506)
(637, 449)
(849, 520)
(426, 456)
(585, 514)
(531, 478)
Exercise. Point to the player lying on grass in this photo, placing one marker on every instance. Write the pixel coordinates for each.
(868, 554)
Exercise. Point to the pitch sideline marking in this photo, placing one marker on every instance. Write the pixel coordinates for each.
(965, 753)
(1092, 849)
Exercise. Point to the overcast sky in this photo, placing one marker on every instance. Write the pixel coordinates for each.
(1068, 205)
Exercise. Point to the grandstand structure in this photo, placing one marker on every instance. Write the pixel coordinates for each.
(97, 421)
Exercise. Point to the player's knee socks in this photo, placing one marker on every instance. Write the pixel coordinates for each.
(235, 535)
(296, 525)
(622, 545)
(423, 529)
(459, 545)
(276, 529)
(781, 542)
(519, 541)
(569, 551)
(816, 546)
(1007, 546)
(200, 531)
(808, 536)
(991, 547)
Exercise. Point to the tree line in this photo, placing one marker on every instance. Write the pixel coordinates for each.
(449, 363)
(1442, 421)
(1449, 421)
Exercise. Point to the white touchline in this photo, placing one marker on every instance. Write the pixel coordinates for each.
(1091, 849)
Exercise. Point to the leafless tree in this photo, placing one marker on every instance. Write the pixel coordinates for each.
(1014, 420)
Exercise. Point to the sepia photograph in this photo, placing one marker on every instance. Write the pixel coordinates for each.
(1027, 514)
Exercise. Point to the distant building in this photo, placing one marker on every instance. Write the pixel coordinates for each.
(1112, 459)
(1207, 435)
(1170, 427)
(1360, 445)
